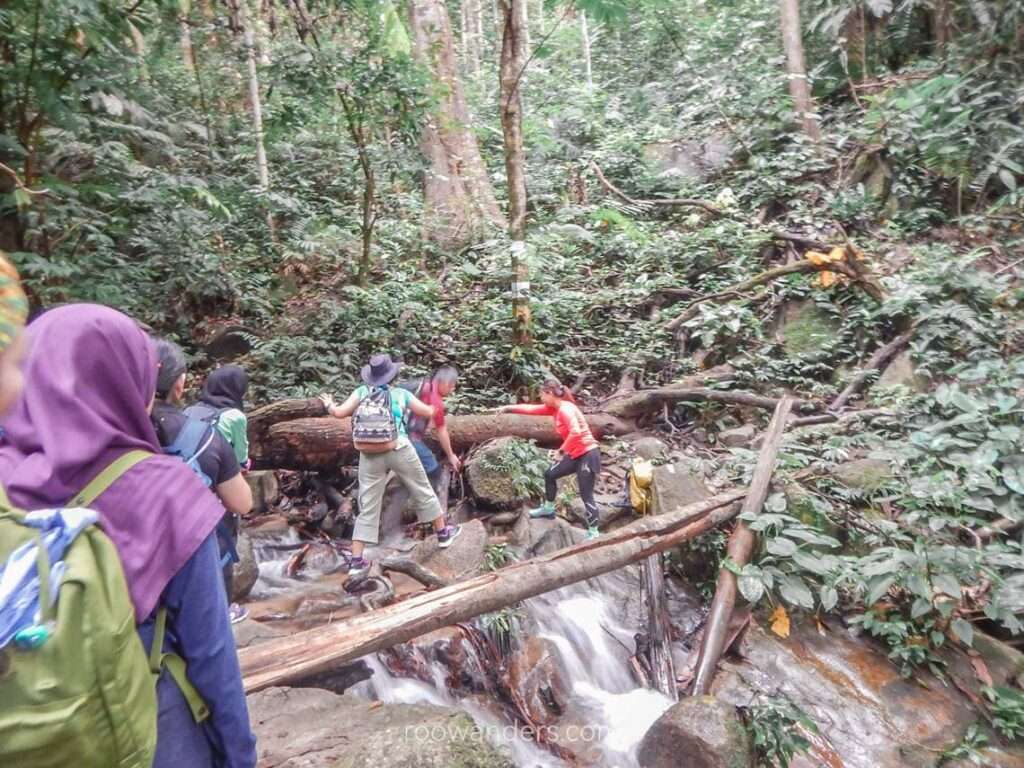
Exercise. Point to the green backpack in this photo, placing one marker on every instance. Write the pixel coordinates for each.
(87, 696)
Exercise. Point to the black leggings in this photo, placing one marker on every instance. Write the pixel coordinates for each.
(587, 467)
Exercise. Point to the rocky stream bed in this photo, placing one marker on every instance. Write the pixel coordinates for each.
(563, 686)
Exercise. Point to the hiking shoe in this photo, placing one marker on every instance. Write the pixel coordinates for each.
(592, 533)
(447, 535)
(544, 510)
(358, 565)
(237, 613)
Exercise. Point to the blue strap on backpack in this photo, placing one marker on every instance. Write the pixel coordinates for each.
(192, 441)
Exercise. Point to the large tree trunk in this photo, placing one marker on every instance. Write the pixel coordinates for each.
(469, 16)
(240, 14)
(796, 69)
(459, 202)
(512, 62)
(185, 32)
(585, 37)
(323, 443)
(289, 659)
(294, 434)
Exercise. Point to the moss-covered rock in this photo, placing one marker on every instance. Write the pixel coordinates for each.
(867, 475)
(804, 328)
(492, 484)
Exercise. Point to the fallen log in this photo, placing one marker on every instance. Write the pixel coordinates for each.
(262, 419)
(647, 400)
(875, 364)
(741, 544)
(288, 659)
(325, 443)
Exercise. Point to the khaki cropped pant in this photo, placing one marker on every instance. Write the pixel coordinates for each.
(373, 479)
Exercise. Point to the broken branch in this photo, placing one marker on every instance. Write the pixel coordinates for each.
(681, 202)
(875, 364)
(741, 544)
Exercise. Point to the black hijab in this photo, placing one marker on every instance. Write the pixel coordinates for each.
(225, 387)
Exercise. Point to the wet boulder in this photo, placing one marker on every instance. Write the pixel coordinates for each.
(537, 681)
(246, 570)
(707, 732)
(868, 715)
(450, 648)
(314, 728)
(490, 485)
(461, 560)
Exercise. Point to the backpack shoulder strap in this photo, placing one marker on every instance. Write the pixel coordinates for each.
(190, 439)
(106, 478)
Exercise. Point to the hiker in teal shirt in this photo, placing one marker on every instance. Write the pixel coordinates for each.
(401, 458)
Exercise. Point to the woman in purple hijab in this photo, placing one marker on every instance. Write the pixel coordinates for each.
(90, 380)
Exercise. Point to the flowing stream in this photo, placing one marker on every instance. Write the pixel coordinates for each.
(611, 713)
(590, 627)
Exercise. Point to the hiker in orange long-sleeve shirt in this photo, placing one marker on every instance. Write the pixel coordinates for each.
(580, 453)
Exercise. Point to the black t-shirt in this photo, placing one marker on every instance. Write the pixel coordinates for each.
(218, 461)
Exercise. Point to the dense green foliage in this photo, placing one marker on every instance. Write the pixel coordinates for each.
(132, 181)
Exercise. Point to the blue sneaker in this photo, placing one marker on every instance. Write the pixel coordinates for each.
(547, 509)
(592, 533)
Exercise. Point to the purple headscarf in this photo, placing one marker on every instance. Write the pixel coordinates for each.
(89, 378)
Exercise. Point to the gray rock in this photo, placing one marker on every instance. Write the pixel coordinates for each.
(491, 487)
(246, 570)
(313, 728)
(265, 490)
(700, 732)
(803, 328)
(901, 372)
(863, 474)
(740, 437)
(464, 558)
(676, 485)
(649, 447)
(250, 633)
(697, 160)
(669, 158)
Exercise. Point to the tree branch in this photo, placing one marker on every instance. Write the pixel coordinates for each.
(670, 203)
(875, 364)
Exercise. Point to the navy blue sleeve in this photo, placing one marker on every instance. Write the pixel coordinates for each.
(197, 617)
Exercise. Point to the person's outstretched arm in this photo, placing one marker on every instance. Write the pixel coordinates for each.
(527, 409)
(340, 411)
